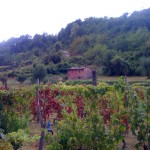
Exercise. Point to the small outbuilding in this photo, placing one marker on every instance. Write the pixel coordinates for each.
(65, 54)
(77, 73)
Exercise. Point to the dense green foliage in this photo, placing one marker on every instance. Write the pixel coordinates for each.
(86, 116)
(14, 118)
(13, 111)
(112, 45)
(95, 117)
(38, 72)
(146, 65)
(21, 78)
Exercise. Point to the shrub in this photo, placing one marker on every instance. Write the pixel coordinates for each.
(21, 78)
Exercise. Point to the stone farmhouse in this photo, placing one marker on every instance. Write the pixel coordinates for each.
(77, 73)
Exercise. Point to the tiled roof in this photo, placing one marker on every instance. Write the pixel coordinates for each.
(74, 68)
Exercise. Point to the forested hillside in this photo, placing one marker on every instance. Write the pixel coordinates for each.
(112, 46)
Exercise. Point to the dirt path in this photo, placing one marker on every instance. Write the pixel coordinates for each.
(35, 129)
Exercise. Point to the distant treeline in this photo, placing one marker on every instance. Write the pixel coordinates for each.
(112, 46)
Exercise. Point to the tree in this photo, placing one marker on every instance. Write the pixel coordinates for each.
(52, 69)
(96, 54)
(63, 67)
(3, 79)
(119, 66)
(21, 78)
(77, 61)
(38, 72)
(109, 55)
(54, 57)
(145, 62)
(58, 45)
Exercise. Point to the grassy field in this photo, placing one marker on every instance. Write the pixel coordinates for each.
(12, 82)
(130, 78)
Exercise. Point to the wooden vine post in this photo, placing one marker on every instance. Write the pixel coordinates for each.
(40, 120)
(94, 80)
(125, 104)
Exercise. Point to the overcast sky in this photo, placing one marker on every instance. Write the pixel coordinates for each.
(20, 17)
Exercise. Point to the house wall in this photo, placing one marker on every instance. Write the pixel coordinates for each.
(79, 73)
(75, 74)
(87, 73)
